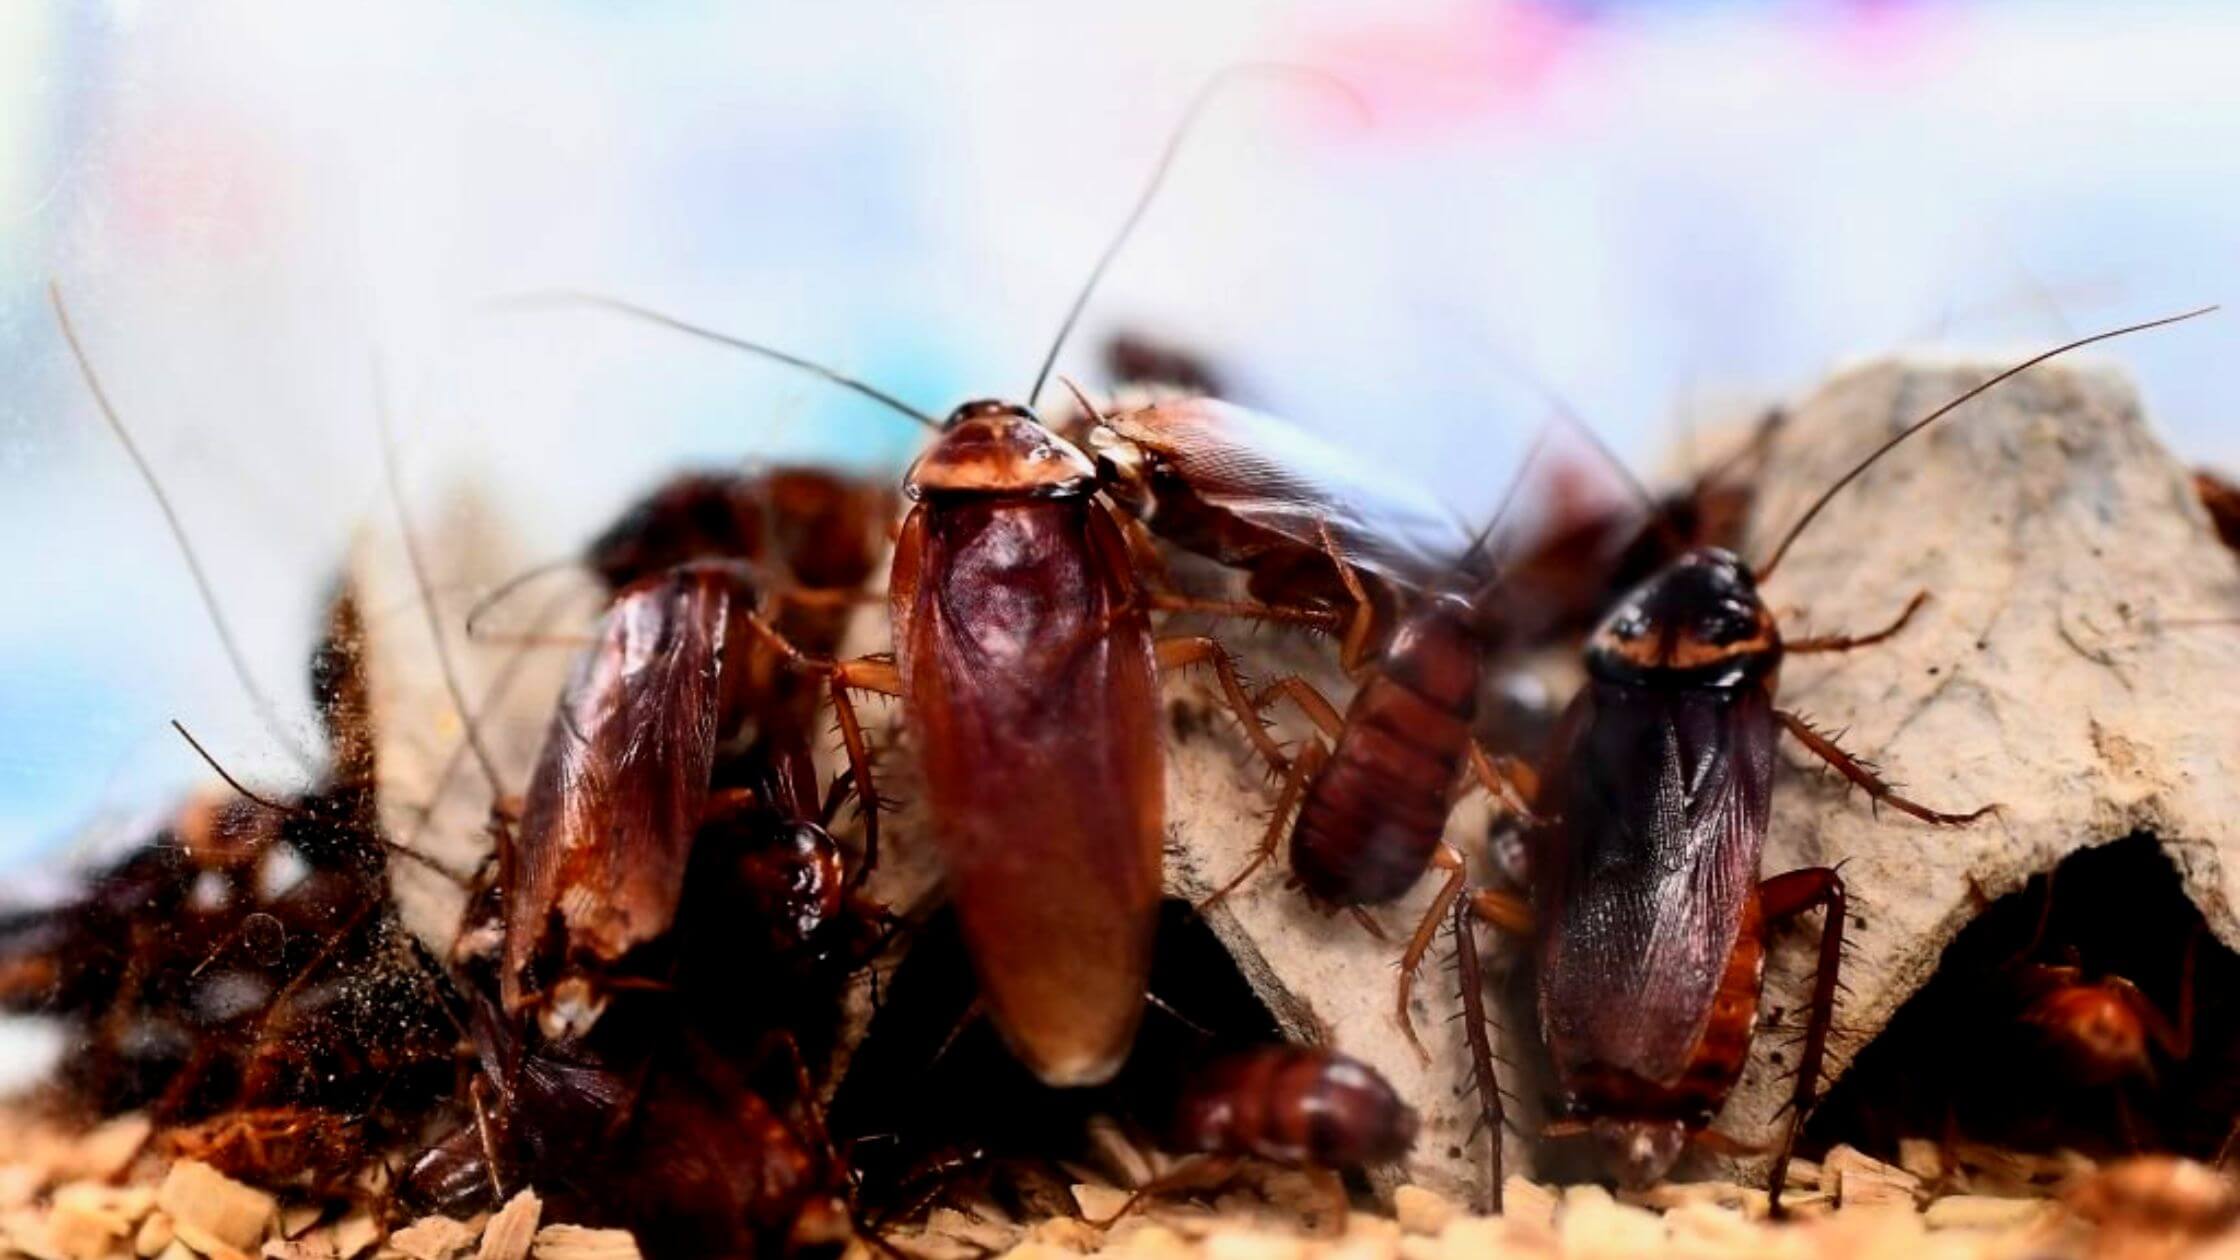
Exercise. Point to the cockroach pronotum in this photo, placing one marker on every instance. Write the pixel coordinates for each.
(1296, 1106)
(1646, 917)
(1028, 671)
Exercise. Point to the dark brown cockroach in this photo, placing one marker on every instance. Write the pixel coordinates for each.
(2222, 499)
(640, 873)
(1027, 668)
(1296, 1106)
(1646, 916)
(1135, 359)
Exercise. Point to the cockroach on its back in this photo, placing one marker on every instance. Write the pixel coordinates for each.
(1646, 916)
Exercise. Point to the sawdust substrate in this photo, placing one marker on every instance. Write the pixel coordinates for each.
(105, 1194)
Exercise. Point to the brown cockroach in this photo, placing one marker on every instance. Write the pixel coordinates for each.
(1296, 1106)
(1646, 917)
(2222, 499)
(1028, 671)
(637, 872)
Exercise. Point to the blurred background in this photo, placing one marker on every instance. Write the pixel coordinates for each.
(1660, 208)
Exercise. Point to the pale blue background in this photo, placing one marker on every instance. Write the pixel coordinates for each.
(1650, 203)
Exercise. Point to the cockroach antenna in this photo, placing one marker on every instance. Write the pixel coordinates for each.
(546, 299)
(231, 782)
(1774, 561)
(444, 662)
(1577, 421)
(1214, 87)
(504, 590)
(258, 700)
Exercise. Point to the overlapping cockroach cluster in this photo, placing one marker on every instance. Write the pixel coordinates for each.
(637, 1017)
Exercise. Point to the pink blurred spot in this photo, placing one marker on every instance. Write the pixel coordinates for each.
(1471, 62)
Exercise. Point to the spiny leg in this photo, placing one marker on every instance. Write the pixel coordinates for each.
(1503, 910)
(1824, 747)
(1511, 783)
(1476, 1033)
(1308, 698)
(1353, 652)
(1846, 642)
(1785, 896)
(1303, 769)
(1244, 609)
(864, 673)
(1182, 653)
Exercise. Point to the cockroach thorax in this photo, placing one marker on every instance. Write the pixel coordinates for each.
(1698, 618)
(1000, 449)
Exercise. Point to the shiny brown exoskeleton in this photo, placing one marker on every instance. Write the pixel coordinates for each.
(1646, 913)
(2222, 499)
(1297, 1106)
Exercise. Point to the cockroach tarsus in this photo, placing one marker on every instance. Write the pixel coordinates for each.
(1647, 915)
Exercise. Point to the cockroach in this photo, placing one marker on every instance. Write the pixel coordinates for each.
(1028, 671)
(1372, 804)
(1296, 1106)
(640, 1119)
(1133, 358)
(2222, 499)
(1647, 924)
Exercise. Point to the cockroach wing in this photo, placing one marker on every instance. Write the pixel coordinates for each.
(1031, 688)
(623, 779)
(1639, 890)
(1289, 482)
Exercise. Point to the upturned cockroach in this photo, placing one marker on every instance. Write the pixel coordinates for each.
(1028, 671)
(1295, 1106)
(1647, 921)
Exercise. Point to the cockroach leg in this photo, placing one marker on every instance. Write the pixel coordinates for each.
(2175, 1039)
(1858, 772)
(1303, 768)
(1785, 896)
(1511, 783)
(1353, 651)
(1846, 642)
(1310, 701)
(1245, 609)
(1501, 909)
(1199, 1172)
(478, 1095)
(1182, 653)
(1474, 1032)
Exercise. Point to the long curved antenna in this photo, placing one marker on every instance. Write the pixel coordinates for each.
(1213, 88)
(1658, 519)
(258, 700)
(231, 782)
(1774, 561)
(504, 590)
(1509, 495)
(549, 299)
(420, 577)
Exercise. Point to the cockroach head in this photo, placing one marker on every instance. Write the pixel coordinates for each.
(999, 450)
(1696, 622)
(1639, 1152)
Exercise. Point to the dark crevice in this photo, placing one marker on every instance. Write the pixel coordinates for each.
(1995, 1048)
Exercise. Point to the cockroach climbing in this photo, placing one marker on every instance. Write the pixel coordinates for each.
(1027, 668)
(1646, 916)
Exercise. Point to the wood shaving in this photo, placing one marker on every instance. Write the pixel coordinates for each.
(510, 1232)
(574, 1242)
